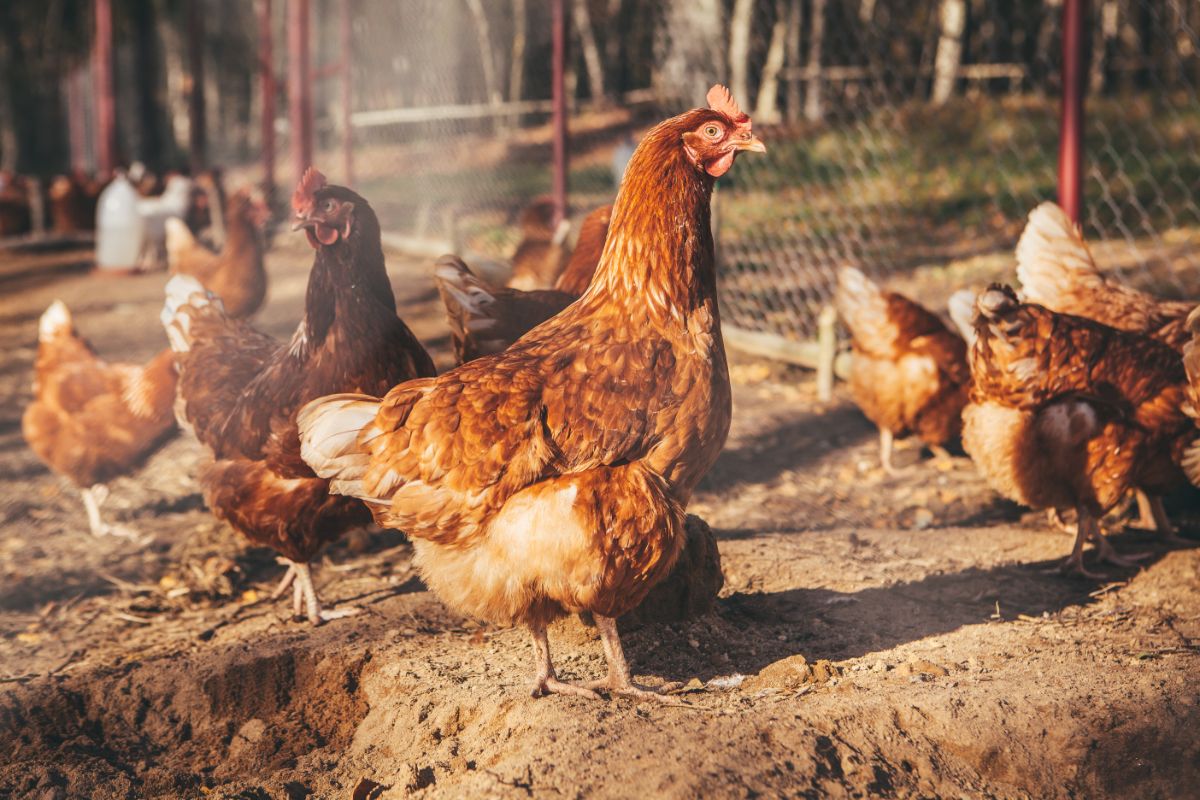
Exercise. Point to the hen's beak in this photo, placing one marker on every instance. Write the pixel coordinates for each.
(303, 222)
(753, 144)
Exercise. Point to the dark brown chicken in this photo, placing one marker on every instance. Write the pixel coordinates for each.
(1056, 270)
(240, 389)
(485, 320)
(16, 216)
(909, 374)
(91, 421)
(552, 478)
(1069, 413)
(236, 274)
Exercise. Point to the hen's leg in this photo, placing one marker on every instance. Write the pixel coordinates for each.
(1159, 521)
(93, 498)
(1056, 519)
(1087, 527)
(289, 579)
(886, 441)
(304, 596)
(1107, 552)
(545, 681)
(618, 681)
(1146, 518)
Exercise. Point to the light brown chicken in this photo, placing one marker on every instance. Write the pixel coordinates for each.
(909, 372)
(1056, 270)
(485, 320)
(1191, 407)
(541, 253)
(91, 421)
(552, 478)
(236, 274)
(1069, 413)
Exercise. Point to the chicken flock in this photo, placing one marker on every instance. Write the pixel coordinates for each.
(550, 471)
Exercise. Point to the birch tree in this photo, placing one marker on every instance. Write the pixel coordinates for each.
(953, 18)
(766, 109)
(740, 23)
(591, 53)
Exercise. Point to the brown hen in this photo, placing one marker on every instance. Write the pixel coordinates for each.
(91, 421)
(240, 389)
(909, 373)
(236, 274)
(1069, 413)
(552, 478)
(484, 320)
(1056, 270)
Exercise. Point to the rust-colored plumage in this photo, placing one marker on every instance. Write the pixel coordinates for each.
(1191, 364)
(235, 274)
(909, 373)
(541, 253)
(240, 389)
(1057, 271)
(485, 320)
(1069, 413)
(91, 421)
(552, 477)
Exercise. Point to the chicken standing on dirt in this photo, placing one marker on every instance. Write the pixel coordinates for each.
(1069, 413)
(484, 320)
(91, 421)
(240, 389)
(552, 478)
(909, 373)
(235, 274)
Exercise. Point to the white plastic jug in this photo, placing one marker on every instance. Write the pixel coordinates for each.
(118, 226)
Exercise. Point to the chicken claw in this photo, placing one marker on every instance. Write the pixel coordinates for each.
(304, 595)
(546, 682)
(618, 681)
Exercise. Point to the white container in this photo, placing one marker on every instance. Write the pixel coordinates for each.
(118, 226)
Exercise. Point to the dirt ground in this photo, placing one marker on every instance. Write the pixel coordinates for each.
(876, 636)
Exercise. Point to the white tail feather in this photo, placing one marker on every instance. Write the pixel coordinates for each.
(962, 312)
(1052, 257)
(329, 440)
(55, 319)
(181, 291)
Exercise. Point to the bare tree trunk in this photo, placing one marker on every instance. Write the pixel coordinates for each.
(516, 65)
(740, 22)
(591, 53)
(766, 109)
(692, 49)
(795, 23)
(949, 50)
(814, 107)
(9, 147)
(1106, 33)
(487, 55)
(866, 11)
(612, 41)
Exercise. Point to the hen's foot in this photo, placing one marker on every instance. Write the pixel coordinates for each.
(1073, 565)
(620, 686)
(547, 685)
(1106, 552)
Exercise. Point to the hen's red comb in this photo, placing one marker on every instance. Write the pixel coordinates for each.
(312, 182)
(719, 99)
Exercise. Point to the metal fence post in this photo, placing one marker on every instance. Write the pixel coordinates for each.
(102, 69)
(1070, 141)
(300, 80)
(558, 93)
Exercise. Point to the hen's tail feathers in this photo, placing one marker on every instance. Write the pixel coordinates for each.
(469, 301)
(1052, 258)
(330, 433)
(186, 298)
(179, 241)
(55, 320)
(862, 306)
(962, 312)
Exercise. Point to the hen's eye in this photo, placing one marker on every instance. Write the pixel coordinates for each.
(712, 131)
(329, 205)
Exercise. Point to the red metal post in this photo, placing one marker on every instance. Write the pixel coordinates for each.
(559, 97)
(347, 37)
(1074, 78)
(102, 71)
(299, 86)
(266, 66)
(197, 119)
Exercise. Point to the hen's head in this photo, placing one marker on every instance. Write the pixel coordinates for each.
(330, 215)
(713, 136)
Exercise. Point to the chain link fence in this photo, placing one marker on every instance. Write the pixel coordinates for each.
(903, 135)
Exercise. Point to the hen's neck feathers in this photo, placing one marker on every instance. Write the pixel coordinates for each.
(659, 253)
(348, 288)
